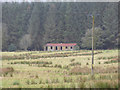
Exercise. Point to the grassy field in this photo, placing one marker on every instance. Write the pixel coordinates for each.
(62, 69)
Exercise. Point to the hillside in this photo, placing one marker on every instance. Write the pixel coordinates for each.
(31, 25)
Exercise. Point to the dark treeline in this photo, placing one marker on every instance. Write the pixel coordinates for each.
(29, 26)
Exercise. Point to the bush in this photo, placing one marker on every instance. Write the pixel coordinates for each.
(40, 82)
(5, 74)
(33, 82)
(73, 85)
(49, 86)
(16, 83)
(11, 75)
(65, 67)
(47, 81)
(50, 62)
(12, 47)
(15, 63)
(59, 66)
(62, 86)
(72, 60)
(55, 65)
(99, 58)
(28, 82)
(31, 65)
(44, 65)
(112, 61)
(87, 63)
(81, 85)
(11, 62)
(36, 76)
(73, 64)
(66, 79)
(55, 80)
(101, 84)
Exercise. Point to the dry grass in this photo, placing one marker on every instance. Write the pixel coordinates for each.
(86, 70)
(64, 69)
(80, 70)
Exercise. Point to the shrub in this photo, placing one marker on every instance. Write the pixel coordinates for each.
(44, 65)
(36, 76)
(28, 82)
(81, 85)
(11, 62)
(102, 84)
(22, 62)
(72, 85)
(112, 57)
(59, 66)
(33, 82)
(55, 80)
(104, 58)
(29, 64)
(112, 61)
(55, 65)
(99, 58)
(65, 67)
(73, 64)
(40, 82)
(49, 86)
(16, 83)
(72, 60)
(66, 79)
(50, 62)
(99, 63)
(5, 74)
(15, 63)
(37, 62)
(47, 81)
(62, 86)
(11, 75)
(12, 47)
(87, 63)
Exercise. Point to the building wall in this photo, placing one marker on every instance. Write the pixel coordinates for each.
(49, 49)
(63, 48)
(58, 48)
(54, 48)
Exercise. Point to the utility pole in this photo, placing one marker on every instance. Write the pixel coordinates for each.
(92, 68)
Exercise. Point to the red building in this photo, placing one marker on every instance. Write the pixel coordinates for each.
(60, 46)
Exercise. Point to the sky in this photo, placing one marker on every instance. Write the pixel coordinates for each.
(59, 0)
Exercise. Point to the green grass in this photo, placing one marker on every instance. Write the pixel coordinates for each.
(40, 69)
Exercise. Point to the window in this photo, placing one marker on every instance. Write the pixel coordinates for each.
(66, 47)
(46, 48)
(60, 48)
(56, 47)
(51, 47)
